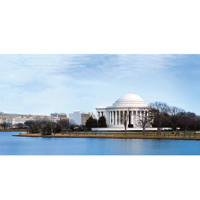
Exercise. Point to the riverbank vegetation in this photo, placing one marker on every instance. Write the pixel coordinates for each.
(119, 135)
(176, 118)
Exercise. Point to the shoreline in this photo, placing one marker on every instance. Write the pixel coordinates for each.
(7, 130)
(109, 136)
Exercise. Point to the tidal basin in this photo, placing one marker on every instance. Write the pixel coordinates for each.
(10, 145)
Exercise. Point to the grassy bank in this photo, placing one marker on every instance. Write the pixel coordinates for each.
(139, 135)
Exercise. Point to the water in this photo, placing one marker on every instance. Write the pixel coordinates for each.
(10, 145)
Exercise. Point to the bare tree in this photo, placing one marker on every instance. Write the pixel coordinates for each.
(124, 119)
(159, 111)
(146, 120)
(53, 126)
(64, 124)
(4, 125)
(174, 116)
(183, 121)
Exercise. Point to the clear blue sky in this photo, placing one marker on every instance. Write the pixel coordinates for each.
(42, 84)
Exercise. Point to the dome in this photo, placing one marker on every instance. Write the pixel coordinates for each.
(130, 100)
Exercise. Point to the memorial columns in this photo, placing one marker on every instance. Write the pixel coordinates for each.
(115, 117)
(119, 117)
(110, 117)
(131, 116)
(137, 116)
(128, 117)
(134, 114)
(122, 117)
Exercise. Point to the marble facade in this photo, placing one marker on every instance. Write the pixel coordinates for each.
(130, 106)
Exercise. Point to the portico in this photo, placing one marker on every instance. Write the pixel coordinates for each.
(130, 107)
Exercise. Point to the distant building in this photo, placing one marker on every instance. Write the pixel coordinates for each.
(2, 118)
(79, 118)
(75, 117)
(59, 115)
(46, 118)
(54, 114)
(62, 115)
(12, 120)
(85, 116)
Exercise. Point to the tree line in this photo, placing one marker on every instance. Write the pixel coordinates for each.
(174, 117)
(63, 125)
(47, 127)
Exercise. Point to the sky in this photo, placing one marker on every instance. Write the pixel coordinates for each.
(44, 84)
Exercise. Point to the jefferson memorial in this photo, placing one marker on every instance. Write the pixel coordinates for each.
(130, 106)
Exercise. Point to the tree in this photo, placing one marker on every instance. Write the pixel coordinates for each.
(53, 126)
(64, 124)
(33, 129)
(102, 122)
(57, 128)
(183, 121)
(42, 123)
(159, 111)
(175, 117)
(20, 126)
(125, 119)
(91, 123)
(4, 125)
(187, 121)
(47, 130)
(146, 120)
(29, 122)
(81, 128)
(198, 122)
(72, 127)
(36, 129)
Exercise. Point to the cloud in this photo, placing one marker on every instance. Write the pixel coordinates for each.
(32, 86)
(58, 81)
(107, 67)
(39, 72)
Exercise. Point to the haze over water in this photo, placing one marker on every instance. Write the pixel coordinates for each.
(10, 145)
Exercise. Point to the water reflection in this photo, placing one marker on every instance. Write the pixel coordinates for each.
(10, 145)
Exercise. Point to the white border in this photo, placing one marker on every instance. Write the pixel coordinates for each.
(108, 27)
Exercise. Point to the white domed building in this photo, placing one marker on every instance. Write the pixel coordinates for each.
(130, 105)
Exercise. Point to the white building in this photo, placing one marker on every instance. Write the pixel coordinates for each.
(16, 120)
(75, 117)
(130, 105)
(79, 118)
(13, 120)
